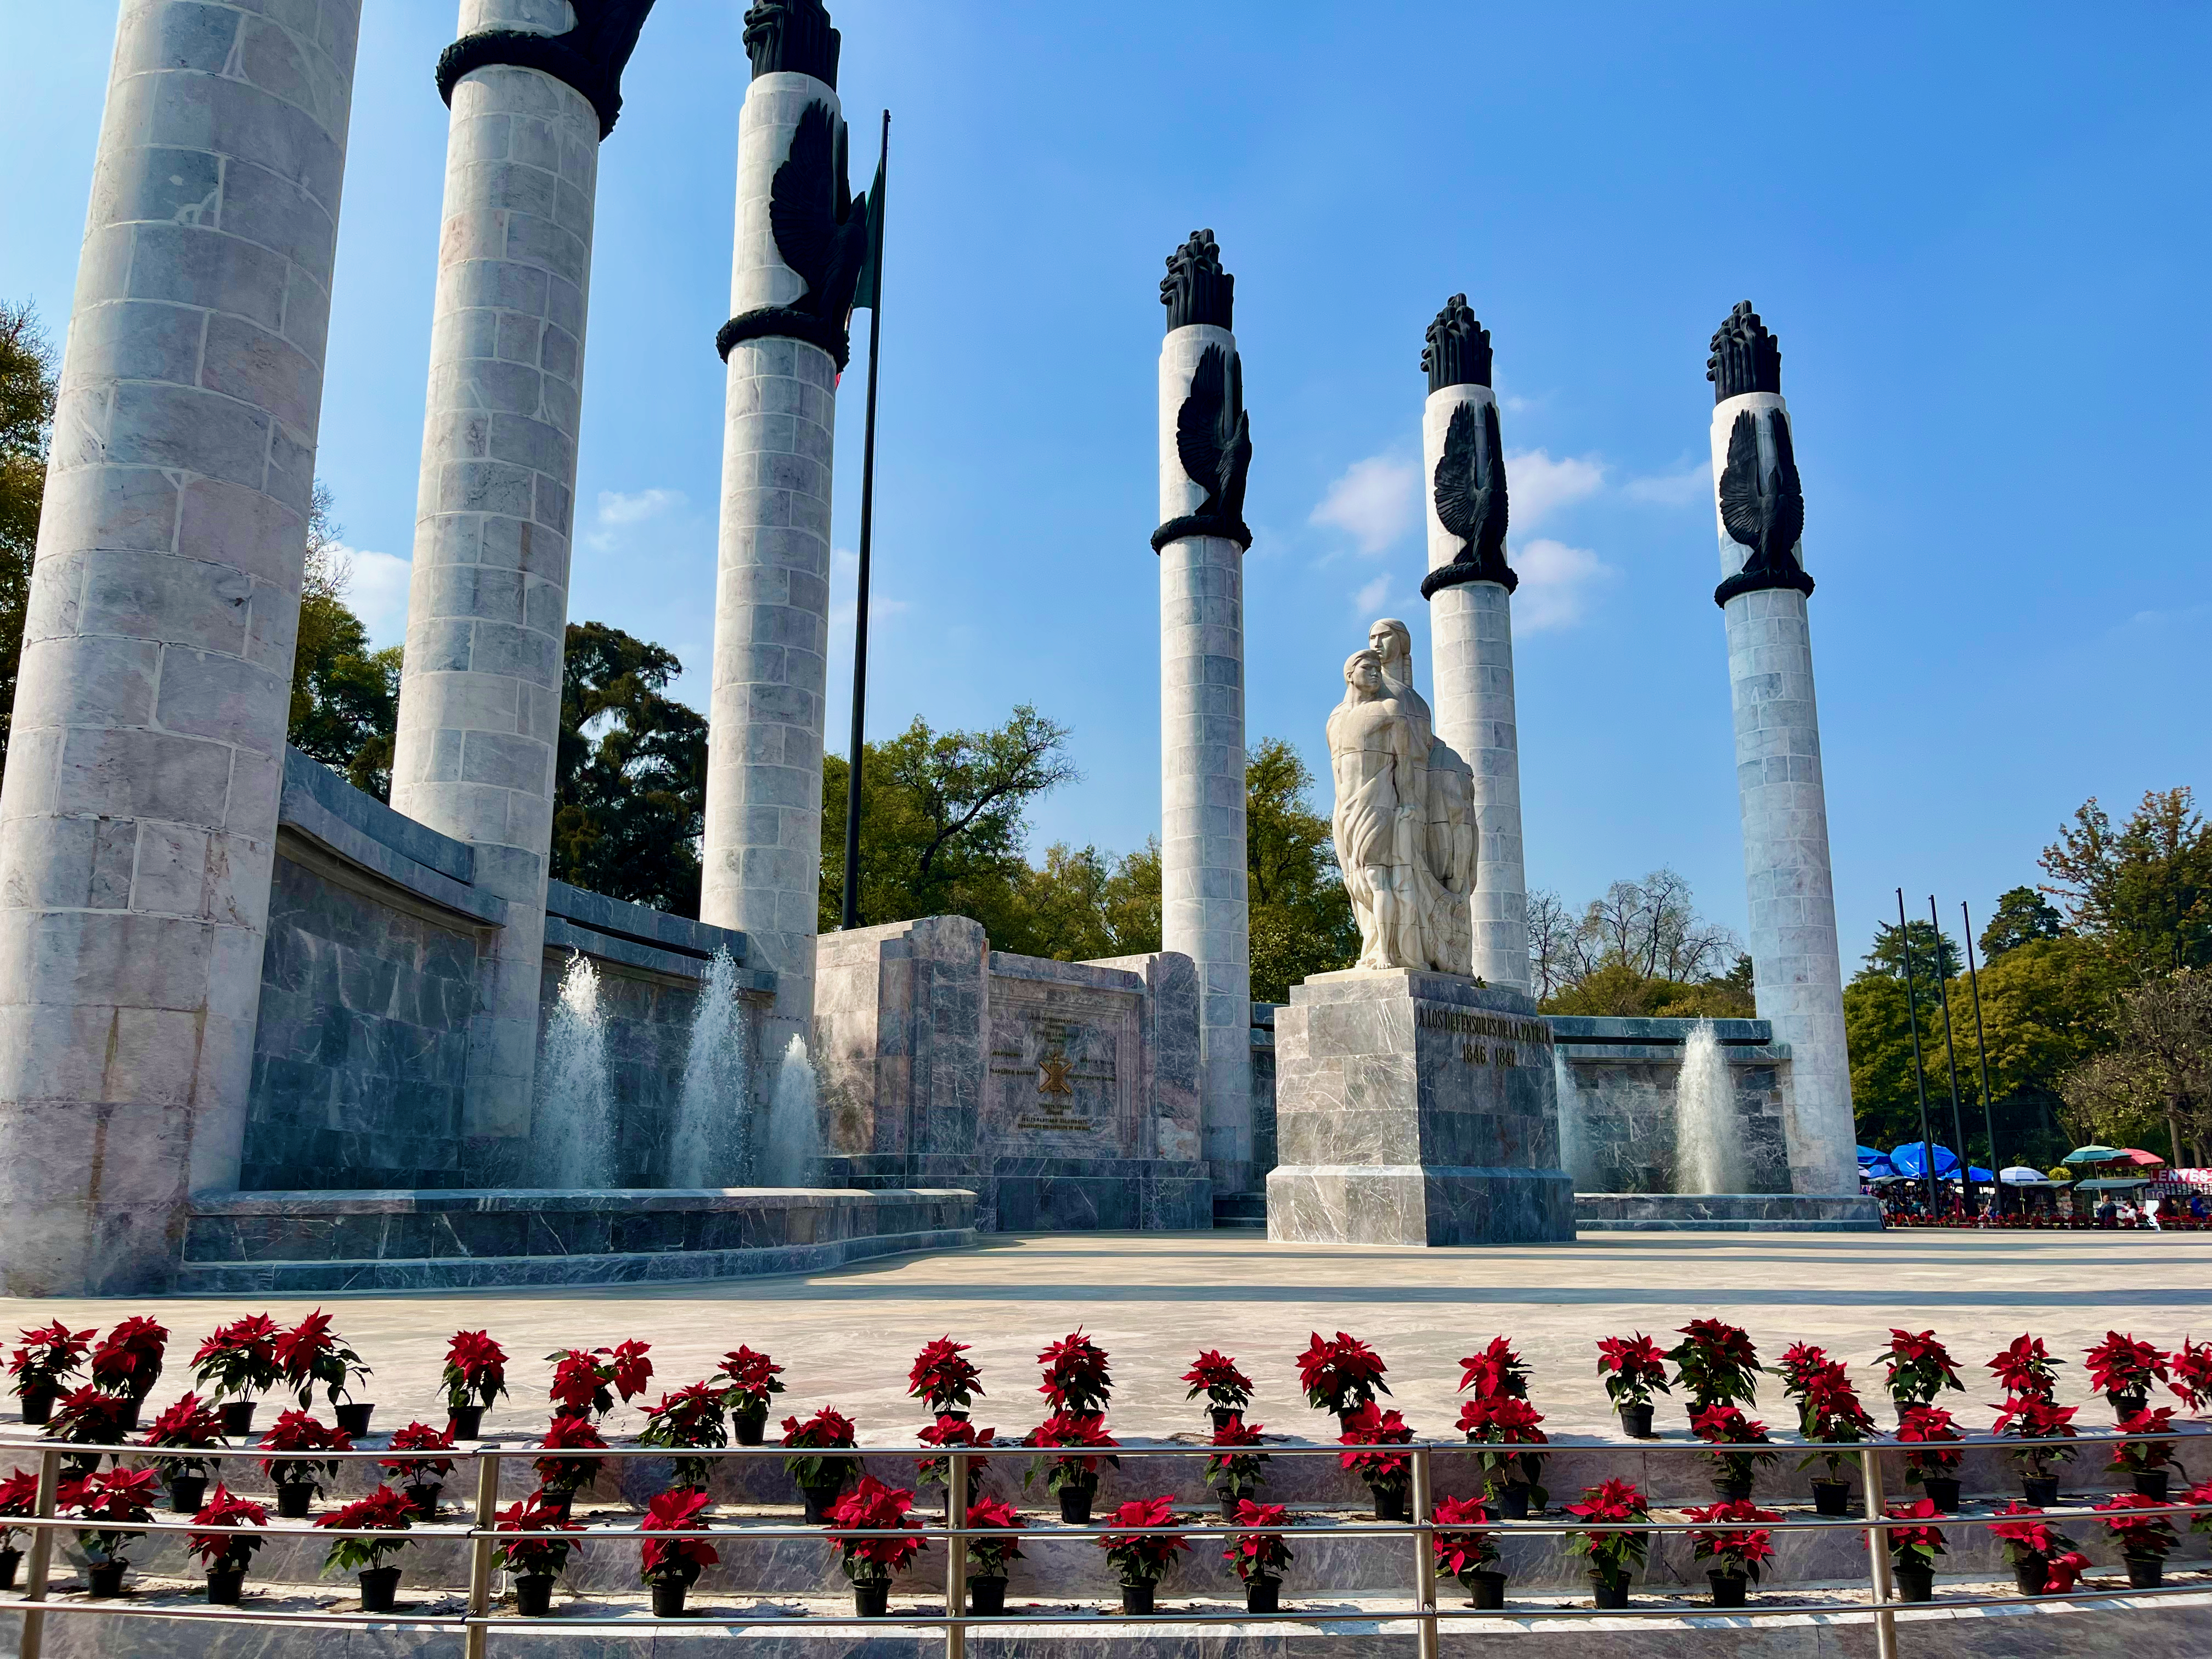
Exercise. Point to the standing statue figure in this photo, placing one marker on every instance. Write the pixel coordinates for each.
(1404, 824)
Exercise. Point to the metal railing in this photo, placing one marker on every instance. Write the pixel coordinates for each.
(480, 1622)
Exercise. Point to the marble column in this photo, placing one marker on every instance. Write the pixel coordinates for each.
(784, 347)
(1796, 970)
(531, 94)
(1469, 588)
(1204, 450)
(138, 818)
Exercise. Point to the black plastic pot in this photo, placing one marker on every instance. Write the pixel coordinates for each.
(1735, 1491)
(466, 1422)
(1229, 1503)
(425, 1499)
(1943, 1491)
(668, 1598)
(9, 1560)
(1223, 1416)
(2126, 1405)
(2145, 1572)
(224, 1588)
(1636, 1422)
(130, 1413)
(39, 1406)
(986, 1595)
(1263, 1594)
(1512, 1500)
(1914, 1582)
(560, 1502)
(750, 1425)
(1488, 1589)
(379, 1590)
(1608, 1593)
(1138, 1597)
(238, 1419)
(1390, 1505)
(107, 1578)
(1075, 1505)
(293, 1498)
(533, 1595)
(872, 1600)
(1729, 1588)
(2152, 1484)
(2031, 1575)
(1831, 1498)
(186, 1493)
(353, 1418)
(819, 1501)
(2042, 1490)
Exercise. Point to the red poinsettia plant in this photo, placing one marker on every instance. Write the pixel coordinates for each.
(189, 1425)
(827, 1431)
(1340, 1375)
(128, 1360)
(2033, 1417)
(1734, 1538)
(675, 1560)
(987, 1556)
(383, 1511)
(1214, 1375)
(1498, 1421)
(873, 1507)
(301, 1435)
(19, 1497)
(238, 1361)
(950, 1432)
(1799, 1364)
(2141, 1457)
(475, 1371)
(1920, 1368)
(1497, 1371)
(1075, 1376)
(1611, 1555)
(1461, 1544)
(567, 1433)
(425, 1468)
(1914, 1546)
(92, 1417)
(2024, 1368)
(942, 1379)
(2121, 1365)
(586, 1380)
(1231, 1470)
(752, 1381)
(688, 1419)
(231, 1548)
(2200, 1495)
(1633, 1368)
(1383, 1472)
(533, 1557)
(311, 1353)
(2192, 1374)
(1142, 1558)
(1830, 1414)
(1924, 1430)
(1715, 1364)
(48, 1358)
(2033, 1538)
(1256, 1550)
(116, 1497)
(1068, 1429)
(2142, 1536)
(1726, 1427)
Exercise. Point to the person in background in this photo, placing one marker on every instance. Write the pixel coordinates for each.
(2150, 1215)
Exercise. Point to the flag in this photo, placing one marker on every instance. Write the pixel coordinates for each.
(868, 295)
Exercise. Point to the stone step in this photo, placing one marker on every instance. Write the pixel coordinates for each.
(1240, 1210)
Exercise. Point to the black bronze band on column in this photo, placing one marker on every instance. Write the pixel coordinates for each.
(590, 57)
(1213, 433)
(1762, 509)
(1469, 485)
(821, 231)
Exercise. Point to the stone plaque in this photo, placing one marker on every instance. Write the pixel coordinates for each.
(1063, 1069)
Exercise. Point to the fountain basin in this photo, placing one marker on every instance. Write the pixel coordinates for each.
(244, 1244)
(1723, 1212)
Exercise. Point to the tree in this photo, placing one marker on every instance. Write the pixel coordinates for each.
(27, 389)
(2022, 913)
(345, 697)
(1554, 944)
(1640, 951)
(630, 780)
(2158, 1074)
(1302, 922)
(2143, 891)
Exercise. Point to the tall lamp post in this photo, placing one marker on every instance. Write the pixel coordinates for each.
(1919, 1075)
(1951, 1060)
(1981, 1054)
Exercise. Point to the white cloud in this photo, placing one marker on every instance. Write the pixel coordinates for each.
(1540, 486)
(1369, 599)
(377, 592)
(1557, 584)
(618, 512)
(1375, 503)
(845, 597)
(1693, 483)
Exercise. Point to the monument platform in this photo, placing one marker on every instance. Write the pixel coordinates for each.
(1415, 1108)
(1726, 1212)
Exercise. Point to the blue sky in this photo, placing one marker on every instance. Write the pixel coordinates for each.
(1979, 230)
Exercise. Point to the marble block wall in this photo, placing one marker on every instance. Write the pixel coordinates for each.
(1620, 1078)
(1065, 1095)
(1415, 1108)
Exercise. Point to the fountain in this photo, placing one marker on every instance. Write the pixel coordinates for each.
(712, 1138)
(1574, 1128)
(792, 1155)
(1708, 1142)
(575, 1112)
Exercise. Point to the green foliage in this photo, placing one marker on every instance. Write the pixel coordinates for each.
(27, 387)
(2144, 891)
(630, 784)
(1642, 951)
(1302, 922)
(2153, 1087)
(2022, 915)
(345, 697)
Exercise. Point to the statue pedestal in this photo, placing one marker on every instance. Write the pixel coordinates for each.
(1415, 1108)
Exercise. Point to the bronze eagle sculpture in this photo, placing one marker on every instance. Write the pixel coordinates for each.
(820, 227)
(1214, 434)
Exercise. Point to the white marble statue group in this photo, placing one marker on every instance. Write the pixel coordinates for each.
(1405, 820)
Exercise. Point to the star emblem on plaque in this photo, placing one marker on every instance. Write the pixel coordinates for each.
(1052, 1075)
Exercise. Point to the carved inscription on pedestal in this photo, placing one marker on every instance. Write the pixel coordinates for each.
(1062, 1069)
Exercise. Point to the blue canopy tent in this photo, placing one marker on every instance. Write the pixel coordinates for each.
(1912, 1159)
(1871, 1155)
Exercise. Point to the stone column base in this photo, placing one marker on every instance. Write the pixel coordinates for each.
(1351, 1204)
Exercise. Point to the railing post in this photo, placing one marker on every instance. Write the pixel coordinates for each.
(42, 1555)
(955, 1556)
(1424, 1555)
(480, 1547)
(1885, 1620)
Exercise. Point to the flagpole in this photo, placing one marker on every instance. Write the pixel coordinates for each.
(1919, 1076)
(851, 916)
